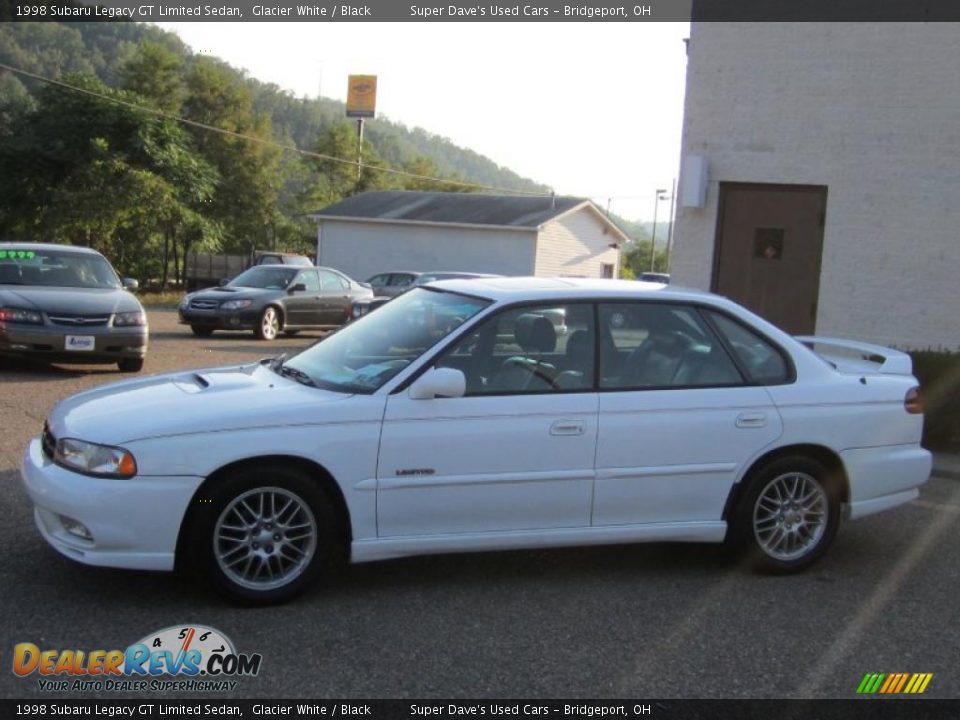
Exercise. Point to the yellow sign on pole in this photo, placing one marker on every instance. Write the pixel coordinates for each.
(362, 96)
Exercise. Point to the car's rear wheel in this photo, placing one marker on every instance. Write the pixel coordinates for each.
(270, 324)
(130, 365)
(263, 534)
(789, 514)
(201, 331)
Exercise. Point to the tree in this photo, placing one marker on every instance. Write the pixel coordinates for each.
(246, 202)
(155, 73)
(83, 169)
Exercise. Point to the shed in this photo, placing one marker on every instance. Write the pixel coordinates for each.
(374, 232)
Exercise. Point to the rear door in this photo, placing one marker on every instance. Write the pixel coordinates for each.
(335, 296)
(678, 419)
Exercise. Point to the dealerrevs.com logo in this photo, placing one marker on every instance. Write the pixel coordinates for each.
(201, 658)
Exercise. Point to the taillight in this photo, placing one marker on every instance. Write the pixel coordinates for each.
(913, 402)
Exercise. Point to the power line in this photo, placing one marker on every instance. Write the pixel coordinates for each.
(262, 141)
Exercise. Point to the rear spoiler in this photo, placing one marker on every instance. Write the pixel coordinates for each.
(858, 357)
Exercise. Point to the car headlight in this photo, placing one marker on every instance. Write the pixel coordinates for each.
(19, 315)
(236, 304)
(93, 459)
(184, 302)
(358, 310)
(127, 319)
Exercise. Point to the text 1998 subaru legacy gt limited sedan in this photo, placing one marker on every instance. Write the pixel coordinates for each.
(457, 418)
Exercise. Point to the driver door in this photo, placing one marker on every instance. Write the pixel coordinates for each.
(515, 453)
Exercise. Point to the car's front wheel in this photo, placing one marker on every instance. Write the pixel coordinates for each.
(270, 324)
(263, 534)
(789, 514)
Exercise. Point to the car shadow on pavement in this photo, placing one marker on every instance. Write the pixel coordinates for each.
(22, 370)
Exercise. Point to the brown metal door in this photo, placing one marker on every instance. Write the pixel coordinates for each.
(769, 245)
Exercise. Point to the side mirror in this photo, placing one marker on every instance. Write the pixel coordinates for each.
(439, 382)
(299, 287)
(223, 281)
(130, 284)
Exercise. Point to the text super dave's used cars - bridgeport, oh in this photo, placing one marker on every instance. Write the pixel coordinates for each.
(459, 417)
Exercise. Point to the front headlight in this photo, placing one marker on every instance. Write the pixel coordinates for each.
(127, 319)
(184, 302)
(236, 304)
(20, 315)
(92, 459)
(358, 310)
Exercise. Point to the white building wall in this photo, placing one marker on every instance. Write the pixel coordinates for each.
(575, 245)
(872, 111)
(362, 249)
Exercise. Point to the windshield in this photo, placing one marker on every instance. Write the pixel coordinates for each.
(267, 277)
(364, 355)
(53, 268)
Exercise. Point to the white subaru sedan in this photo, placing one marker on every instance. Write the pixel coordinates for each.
(457, 418)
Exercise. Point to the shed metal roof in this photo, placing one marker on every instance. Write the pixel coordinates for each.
(455, 208)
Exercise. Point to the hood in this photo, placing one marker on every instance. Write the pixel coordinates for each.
(72, 301)
(197, 401)
(233, 293)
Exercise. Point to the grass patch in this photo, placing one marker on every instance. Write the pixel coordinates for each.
(155, 300)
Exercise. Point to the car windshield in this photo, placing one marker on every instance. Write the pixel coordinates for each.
(54, 268)
(364, 355)
(266, 277)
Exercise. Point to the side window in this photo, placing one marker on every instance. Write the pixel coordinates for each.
(309, 278)
(379, 281)
(532, 349)
(401, 279)
(763, 362)
(331, 282)
(655, 345)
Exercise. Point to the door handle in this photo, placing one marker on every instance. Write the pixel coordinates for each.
(751, 420)
(567, 427)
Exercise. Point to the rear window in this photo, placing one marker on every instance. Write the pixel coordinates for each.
(763, 362)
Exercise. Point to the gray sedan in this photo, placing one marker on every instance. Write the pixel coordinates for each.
(61, 303)
(270, 299)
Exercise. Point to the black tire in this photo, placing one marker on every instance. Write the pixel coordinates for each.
(130, 365)
(201, 331)
(788, 515)
(236, 563)
(269, 324)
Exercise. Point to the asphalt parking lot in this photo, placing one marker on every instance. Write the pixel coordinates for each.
(638, 622)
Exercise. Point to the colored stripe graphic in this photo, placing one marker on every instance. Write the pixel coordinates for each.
(894, 683)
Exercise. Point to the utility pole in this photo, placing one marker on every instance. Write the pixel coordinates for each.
(661, 192)
(673, 198)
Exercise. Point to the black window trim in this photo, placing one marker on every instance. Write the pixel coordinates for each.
(791, 374)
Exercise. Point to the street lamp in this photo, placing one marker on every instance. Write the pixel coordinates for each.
(661, 195)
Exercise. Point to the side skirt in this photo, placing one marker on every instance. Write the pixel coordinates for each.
(367, 550)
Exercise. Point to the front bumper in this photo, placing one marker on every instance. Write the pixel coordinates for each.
(245, 319)
(133, 523)
(101, 343)
(884, 477)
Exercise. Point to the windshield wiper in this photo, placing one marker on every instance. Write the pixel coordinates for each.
(298, 375)
(275, 363)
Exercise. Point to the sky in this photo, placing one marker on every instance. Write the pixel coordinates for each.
(590, 109)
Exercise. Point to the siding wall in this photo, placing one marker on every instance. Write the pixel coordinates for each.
(872, 111)
(575, 245)
(364, 249)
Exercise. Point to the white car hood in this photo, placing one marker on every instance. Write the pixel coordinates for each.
(198, 401)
